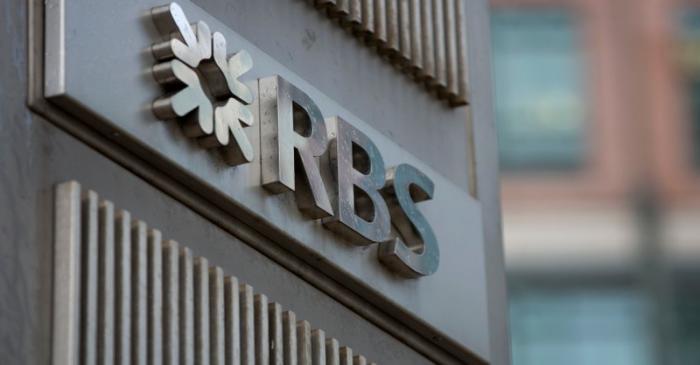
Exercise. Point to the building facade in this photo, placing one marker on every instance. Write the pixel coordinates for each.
(249, 182)
(597, 117)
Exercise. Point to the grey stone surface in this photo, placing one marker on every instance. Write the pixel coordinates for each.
(35, 155)
(108, 86)
(40, 155)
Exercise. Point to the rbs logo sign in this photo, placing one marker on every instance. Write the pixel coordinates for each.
(373, 203)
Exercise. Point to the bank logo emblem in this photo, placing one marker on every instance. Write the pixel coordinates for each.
(203, 92)
(369, 204)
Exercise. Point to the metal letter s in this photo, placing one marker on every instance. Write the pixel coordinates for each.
(417, 254)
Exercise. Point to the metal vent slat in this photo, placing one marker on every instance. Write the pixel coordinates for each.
(106, 286)
(332, 352)
(233, 323)
(247, 325)
(440, 81)
(218, 319)
(289, 331)
(122, 251)
(171, 304)
(155, 298)
(318, 347)
(451, 49)
(463, 94)
(262, 339)
(379, 37)
(139, 295)
(366, 29)
(186, 307)
(346, 356)
(276, 334)
(89, 280)
(304, 342)
(392, 48)
(201, 309)
(124, 295)
(66, 281)
(416, 56)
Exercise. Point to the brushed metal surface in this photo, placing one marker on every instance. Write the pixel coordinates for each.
(106, 288)
(123, 284)
(66, 258)
(139, 293)
(416, 35)
(353, 21)
(366, 30)
(404, 58)
(171, 304)
(318, 347)
(247, 303)
(289, 333)
(276, 334)
(361, 213)
(262, 330)
(332, 352)
(462, 96)
(380, 27)
(201, 83)
(89, 284)
(439, 84)
(201, 311)
(292, 136)
(359, 360)
(155, 297)
(187, 334)
(427, 41)
(451, 49)
(338, 9)
(217, 324)
(415, 252)
(393, 37)
(233, 321)
(55, 52)
(304, 354)
(346, 357)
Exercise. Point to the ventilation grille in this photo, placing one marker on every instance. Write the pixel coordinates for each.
(123, 295)
(423, 38)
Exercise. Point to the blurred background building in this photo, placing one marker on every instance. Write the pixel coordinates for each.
(598, 109)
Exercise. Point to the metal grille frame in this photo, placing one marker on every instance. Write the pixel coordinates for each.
(124, 295)
(423, 38)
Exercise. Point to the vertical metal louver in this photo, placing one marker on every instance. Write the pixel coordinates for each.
(124, 295)
(423, 38)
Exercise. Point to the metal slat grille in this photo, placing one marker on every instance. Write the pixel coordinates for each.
(124, 295)
(423, 38)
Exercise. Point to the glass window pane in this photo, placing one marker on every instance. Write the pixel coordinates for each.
(685, 336)
(579, 326)
(539, 104)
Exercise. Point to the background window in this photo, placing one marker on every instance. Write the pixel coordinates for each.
(685, 326)
(575, 326)
(539, 101)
